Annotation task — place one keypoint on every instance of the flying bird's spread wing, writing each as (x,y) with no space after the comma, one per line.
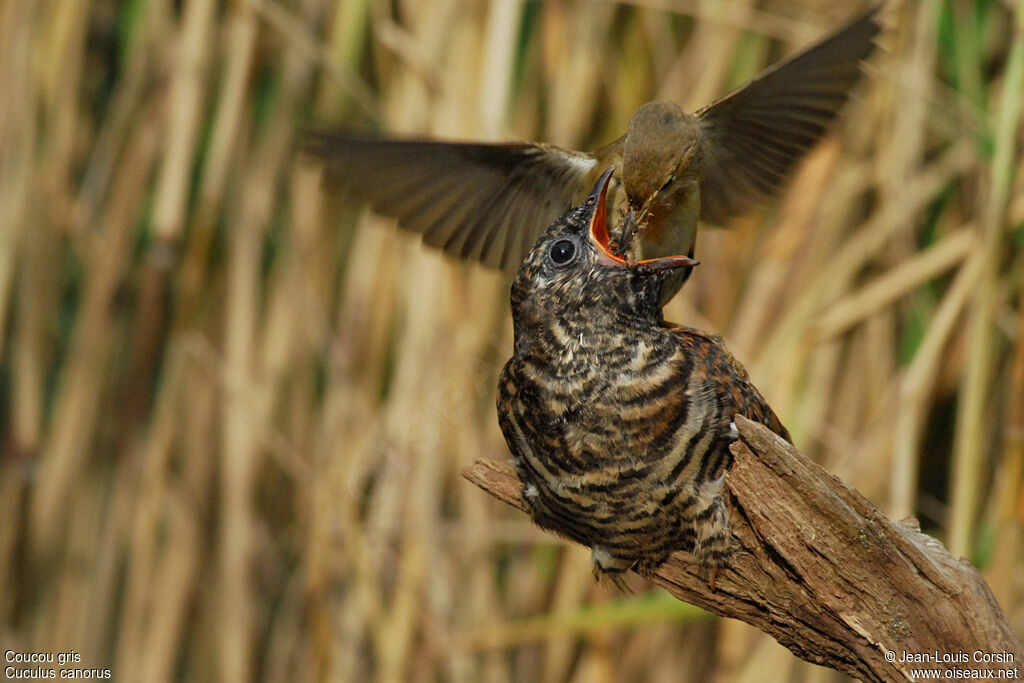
(483,202)
(751,138)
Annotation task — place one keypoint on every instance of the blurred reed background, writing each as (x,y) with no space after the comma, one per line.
(233,413)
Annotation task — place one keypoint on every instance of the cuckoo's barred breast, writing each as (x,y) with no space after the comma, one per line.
(620,425)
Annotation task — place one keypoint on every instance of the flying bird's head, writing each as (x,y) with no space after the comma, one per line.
(658,150)
(572,271)
(661,175)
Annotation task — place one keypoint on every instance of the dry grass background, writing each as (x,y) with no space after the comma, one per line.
(232,416)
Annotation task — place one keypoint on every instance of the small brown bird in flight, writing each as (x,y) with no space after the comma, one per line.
(619,423)
(489,202)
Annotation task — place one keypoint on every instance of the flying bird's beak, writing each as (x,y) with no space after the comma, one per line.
(628,231)
(598,199)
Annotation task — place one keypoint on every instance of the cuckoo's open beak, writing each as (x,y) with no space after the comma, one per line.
(598,199)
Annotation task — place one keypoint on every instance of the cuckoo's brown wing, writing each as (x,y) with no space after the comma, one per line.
(712,353)
(483,202)
(751,138)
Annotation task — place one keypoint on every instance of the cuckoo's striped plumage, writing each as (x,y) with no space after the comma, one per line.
(620,424)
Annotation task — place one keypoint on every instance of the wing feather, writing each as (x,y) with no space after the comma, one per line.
(752,137)
(485,202)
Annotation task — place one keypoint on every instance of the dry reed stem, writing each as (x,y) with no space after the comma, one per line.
(968,463)
(914,390)
(902,280)
(1008,502)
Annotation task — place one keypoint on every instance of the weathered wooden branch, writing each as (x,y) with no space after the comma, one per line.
(824,572)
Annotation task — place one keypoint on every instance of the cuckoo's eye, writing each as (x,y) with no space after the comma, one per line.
(562,252)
